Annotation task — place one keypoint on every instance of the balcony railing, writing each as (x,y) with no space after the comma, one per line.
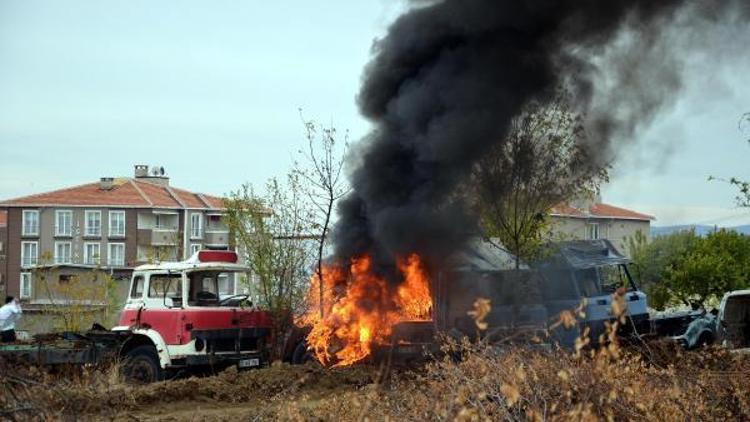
(28,261)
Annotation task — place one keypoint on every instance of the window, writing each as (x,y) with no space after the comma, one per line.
(63,253)
(30,223)
(116,254)
(91,253)
(165,286)
(93,223)
(64,223)
(29,253)
(613,277)
(195,247)
(226,285)
(203,289)
(25,286)
(196,225)
(137,291)
(117,223)
(588,282)
(592,230)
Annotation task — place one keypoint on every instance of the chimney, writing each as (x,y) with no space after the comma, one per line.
(154,174)
(141,171)
(106,183)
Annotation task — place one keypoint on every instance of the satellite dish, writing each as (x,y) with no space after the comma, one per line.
(161,171)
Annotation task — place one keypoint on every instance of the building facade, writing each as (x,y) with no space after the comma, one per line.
(597,220)
(112,225)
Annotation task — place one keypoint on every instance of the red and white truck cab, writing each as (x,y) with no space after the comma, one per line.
(179,320)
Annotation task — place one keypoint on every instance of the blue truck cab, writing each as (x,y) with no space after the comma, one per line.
(587,274)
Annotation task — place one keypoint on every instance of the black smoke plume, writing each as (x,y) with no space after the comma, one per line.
(448,77)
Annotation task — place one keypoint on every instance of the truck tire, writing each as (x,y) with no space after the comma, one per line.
(301,355)
(142,365)
(706,339)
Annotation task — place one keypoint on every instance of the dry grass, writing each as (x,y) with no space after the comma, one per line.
(657,381)
(650,381)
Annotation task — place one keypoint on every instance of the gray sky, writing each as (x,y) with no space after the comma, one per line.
(211,91)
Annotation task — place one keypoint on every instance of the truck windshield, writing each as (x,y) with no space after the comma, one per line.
(604,280)
(208,287)
(613,277)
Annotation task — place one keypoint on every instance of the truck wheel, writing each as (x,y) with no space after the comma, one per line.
(301,355)
(142,365)
(705,339)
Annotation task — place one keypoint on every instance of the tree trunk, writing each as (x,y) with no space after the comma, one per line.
(320,256)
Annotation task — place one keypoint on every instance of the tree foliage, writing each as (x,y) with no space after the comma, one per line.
(683,268)
(542,162)
(74,302)
(271,231)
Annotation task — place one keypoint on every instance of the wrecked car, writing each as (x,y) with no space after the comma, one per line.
(729,325)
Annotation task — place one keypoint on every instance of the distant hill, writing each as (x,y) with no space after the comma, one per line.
(700,230)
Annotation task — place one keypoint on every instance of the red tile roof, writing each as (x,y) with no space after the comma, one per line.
(126,192)
(610,211)
(3,218)
(599,210)
(567,210)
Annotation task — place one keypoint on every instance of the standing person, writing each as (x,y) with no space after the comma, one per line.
(9,314)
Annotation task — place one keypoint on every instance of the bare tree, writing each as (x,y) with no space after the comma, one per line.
(271,232)
(322,169)
(543,162)
(742,185)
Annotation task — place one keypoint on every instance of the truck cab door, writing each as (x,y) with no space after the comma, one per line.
(162,306)
(134,302)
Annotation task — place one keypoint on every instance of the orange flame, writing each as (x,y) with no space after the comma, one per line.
(360,308)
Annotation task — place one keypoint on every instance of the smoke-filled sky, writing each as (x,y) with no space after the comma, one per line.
(211,91)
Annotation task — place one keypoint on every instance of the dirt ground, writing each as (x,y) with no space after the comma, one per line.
(100,394)
(257,395)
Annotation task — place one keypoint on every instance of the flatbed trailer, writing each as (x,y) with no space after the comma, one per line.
(96,346)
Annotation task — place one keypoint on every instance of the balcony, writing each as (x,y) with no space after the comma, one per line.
(216,237)
(159,236)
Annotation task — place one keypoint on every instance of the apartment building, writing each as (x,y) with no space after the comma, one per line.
(593,219)
(112,225)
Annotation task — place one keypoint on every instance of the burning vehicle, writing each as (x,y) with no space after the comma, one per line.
(524,303)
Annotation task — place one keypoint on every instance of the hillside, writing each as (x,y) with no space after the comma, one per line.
(700,230)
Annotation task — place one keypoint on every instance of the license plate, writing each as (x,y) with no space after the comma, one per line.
(248,363)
